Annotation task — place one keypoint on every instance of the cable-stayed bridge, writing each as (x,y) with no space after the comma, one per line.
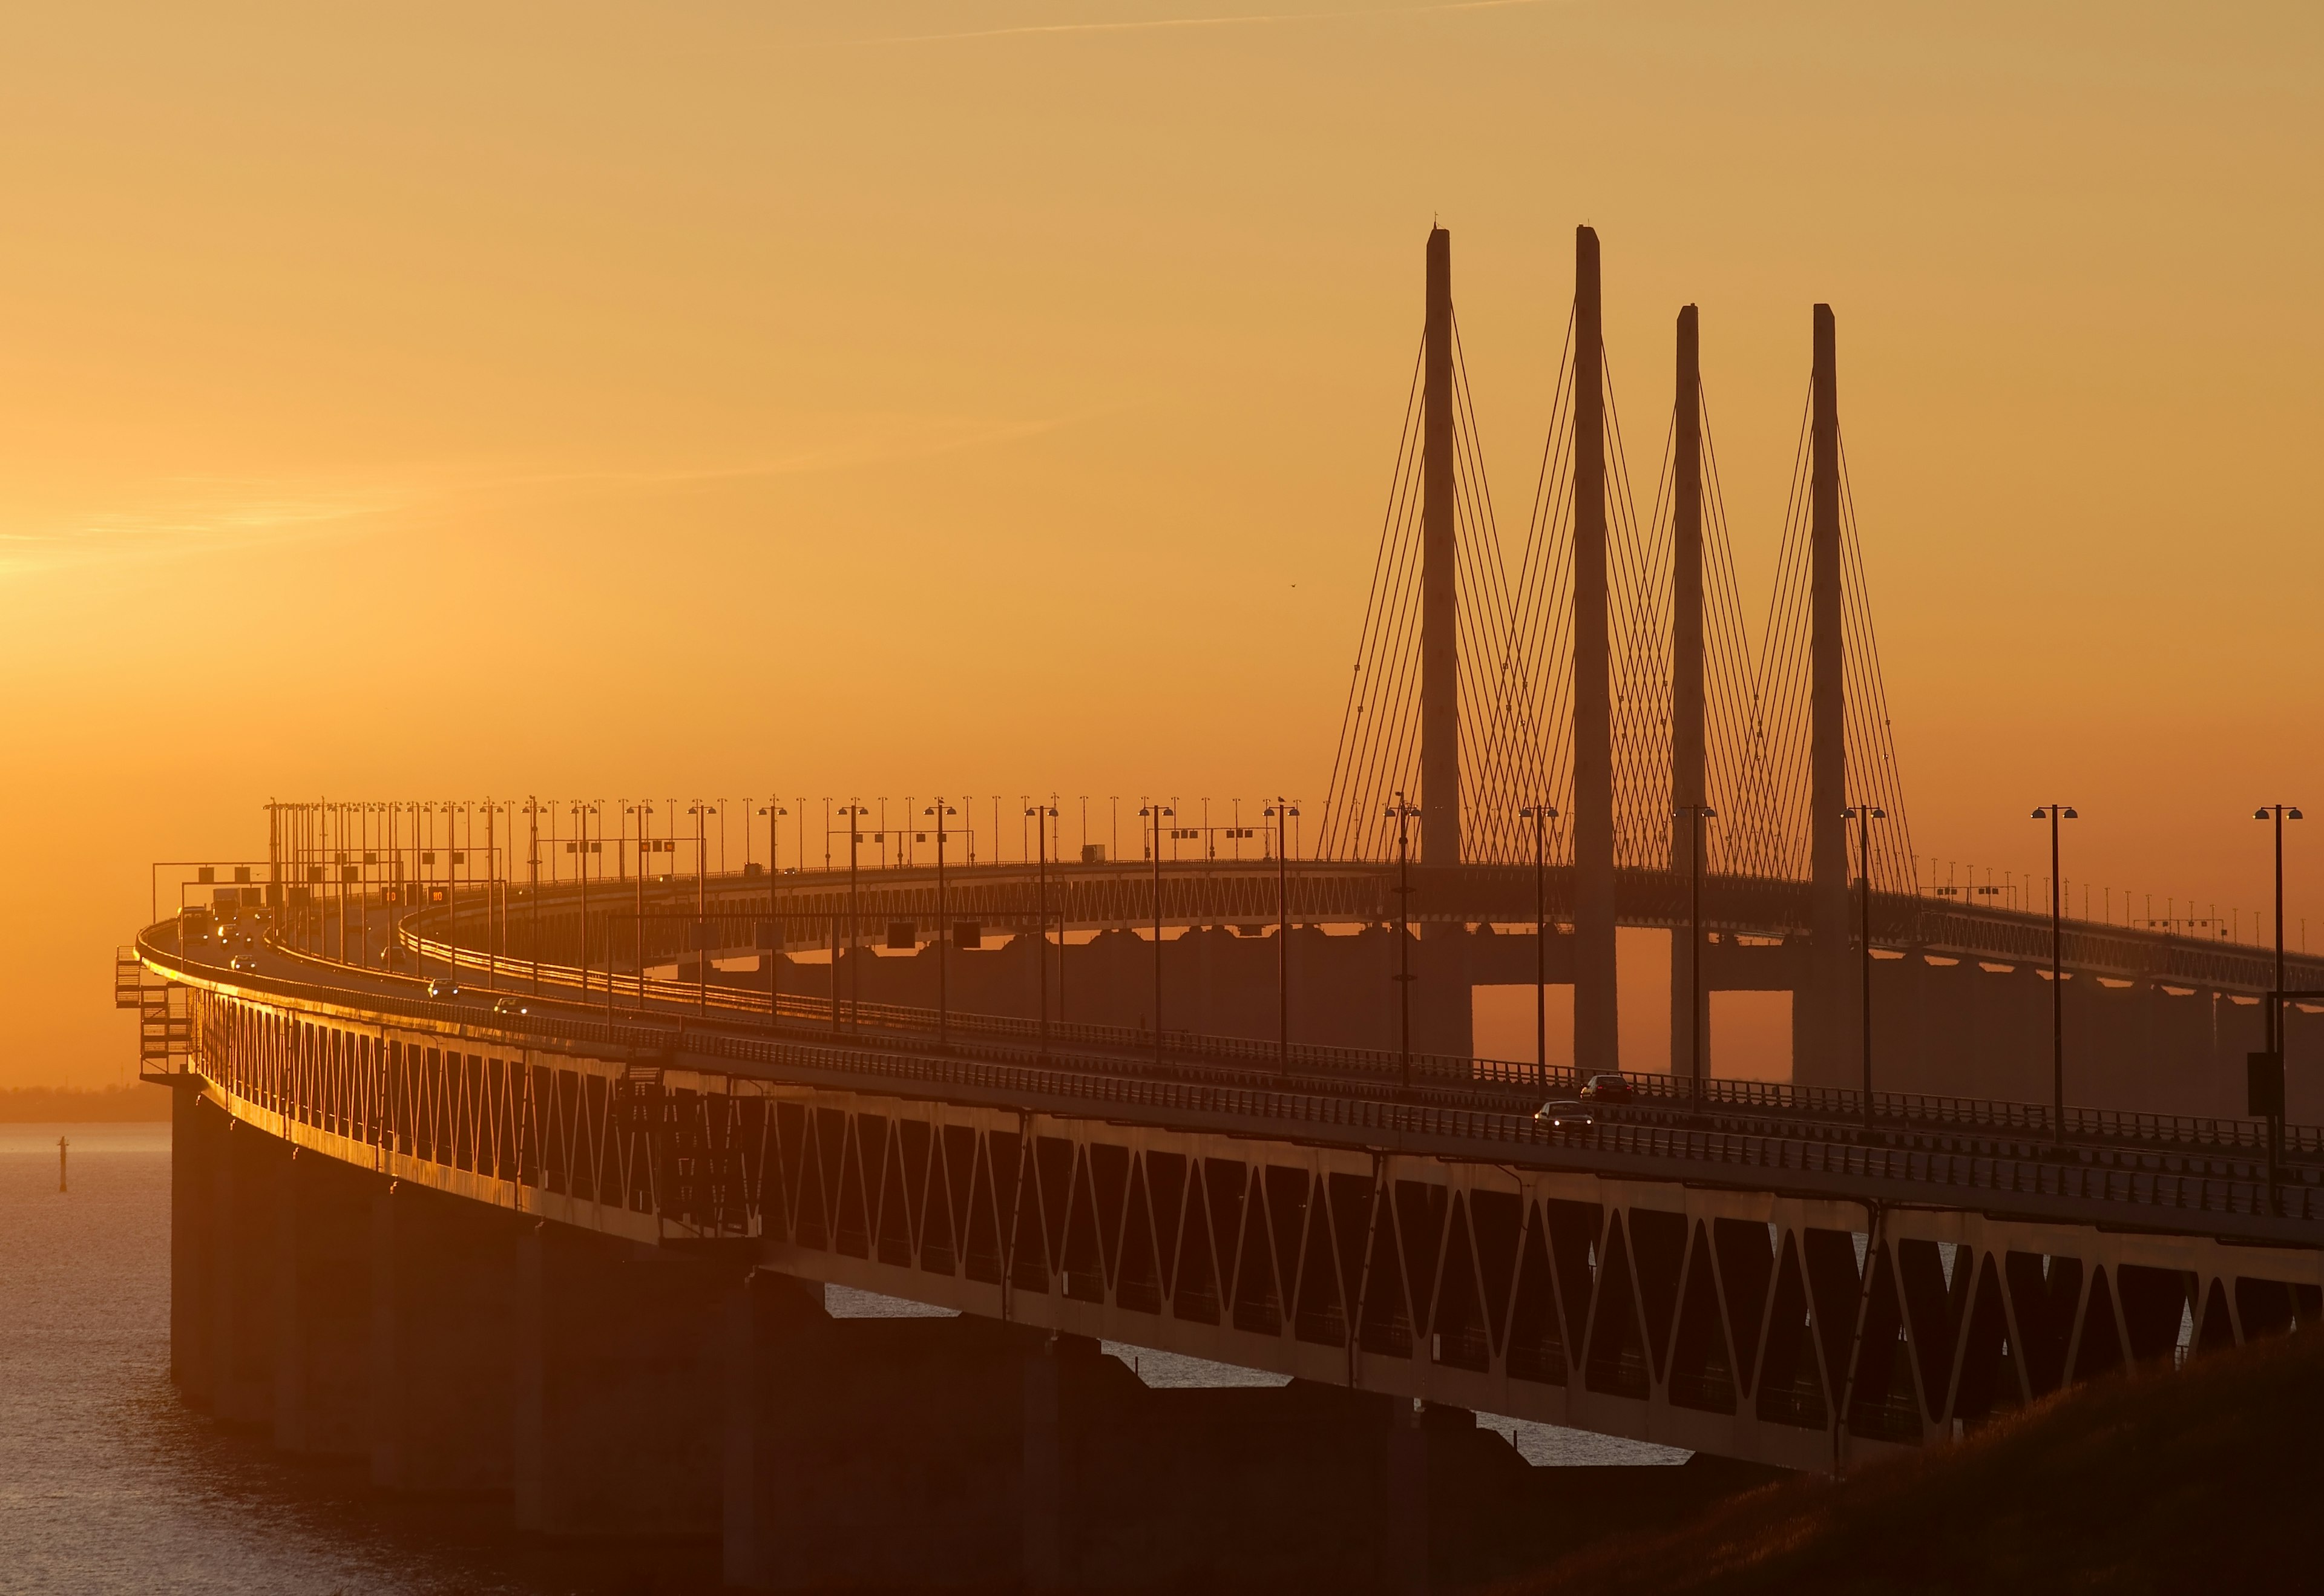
(500,1167)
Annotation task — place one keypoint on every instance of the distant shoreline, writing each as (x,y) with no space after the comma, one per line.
(99,1106)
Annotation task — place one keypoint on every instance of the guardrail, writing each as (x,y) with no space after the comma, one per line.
(1898,1110)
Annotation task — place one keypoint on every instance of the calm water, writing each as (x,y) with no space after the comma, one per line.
(108,1483)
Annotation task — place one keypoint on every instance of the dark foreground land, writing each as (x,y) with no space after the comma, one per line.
(2204,1481)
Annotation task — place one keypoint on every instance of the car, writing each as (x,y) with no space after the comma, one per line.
(443,986)
(511,1005)
(1563,1114)
(392,954)
(242,961)
(1609,1088)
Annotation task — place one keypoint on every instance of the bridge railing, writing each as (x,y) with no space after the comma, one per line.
(1837,1105)
(1002,1071)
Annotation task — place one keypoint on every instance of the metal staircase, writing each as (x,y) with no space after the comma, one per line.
(164,1030)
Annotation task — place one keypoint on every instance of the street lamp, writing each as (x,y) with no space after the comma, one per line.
(532,808)
(1402,813)
(941,811)
(643,809)
(854,812)
(774,813)
(2054,813)
(1157,812)
(1864,815)
(2278,813)
(1541,815)
(1041,815)
(1281,812)
(1694,814)
(701,811)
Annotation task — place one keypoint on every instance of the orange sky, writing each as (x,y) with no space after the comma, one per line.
(577,399)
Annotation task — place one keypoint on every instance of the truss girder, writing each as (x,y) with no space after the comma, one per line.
(1784,1328)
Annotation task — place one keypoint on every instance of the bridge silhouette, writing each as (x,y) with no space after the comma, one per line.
(512,1179)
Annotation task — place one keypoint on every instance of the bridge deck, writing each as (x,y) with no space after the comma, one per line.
(1727,1284)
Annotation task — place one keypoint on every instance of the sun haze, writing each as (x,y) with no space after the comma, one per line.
(438,401)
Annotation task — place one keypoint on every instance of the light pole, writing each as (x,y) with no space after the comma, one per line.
(1541,815)
(2054,813)
(643,810)
(491,891)
(701,938)
(943,811)
(854,813)
(1157,812)
(1041,815)
(532,882)
(1402,813)
(581,812)
(2278,813)
(1281,811)
(774,813)
(1864,815)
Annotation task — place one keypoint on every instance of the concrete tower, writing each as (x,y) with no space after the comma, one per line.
(1827,1057)
(1688,782)
(1597,1023)
(1440,644)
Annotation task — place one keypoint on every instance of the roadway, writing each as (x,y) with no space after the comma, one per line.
(2180,1176)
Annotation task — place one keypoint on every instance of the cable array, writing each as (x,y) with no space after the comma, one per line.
(1515,641)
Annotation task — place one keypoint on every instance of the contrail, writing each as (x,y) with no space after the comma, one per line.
(1246,20)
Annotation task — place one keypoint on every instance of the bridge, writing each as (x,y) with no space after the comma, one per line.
(522,1177)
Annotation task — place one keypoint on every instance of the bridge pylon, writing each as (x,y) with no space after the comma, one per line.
(1597,1023)
(1824,1052)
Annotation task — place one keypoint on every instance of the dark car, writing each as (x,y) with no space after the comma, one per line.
(1563,1114)
(511,1005)
(443,986)
(1609,1088)
(242,961)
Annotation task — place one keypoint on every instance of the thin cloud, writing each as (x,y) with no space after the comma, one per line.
(1239,20)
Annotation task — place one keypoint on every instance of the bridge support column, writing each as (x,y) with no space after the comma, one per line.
(1443,1019)
(197,1138)
(249,1176)
(619,1359)
(884,1453)
(1404,1516)
(322,1308)
(442,1353)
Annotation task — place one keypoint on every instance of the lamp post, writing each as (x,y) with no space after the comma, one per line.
(1041,815)
(532,882)
(701,938)
(1864,815)
(1541,815)
(942,811)
(2054,813)
(1157,812)
(774,813)
(1694,814)
(582,812)
(1281,811)
(2278,814)
(1402,813)
(854,813)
